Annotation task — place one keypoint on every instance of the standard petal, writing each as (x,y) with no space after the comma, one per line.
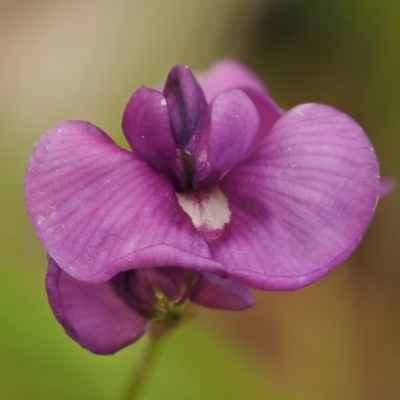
(226,75)
(99,209)
(225,294)
(146,127)
(301,204)
(92,313)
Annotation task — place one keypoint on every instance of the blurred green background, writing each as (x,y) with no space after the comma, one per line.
(336,340)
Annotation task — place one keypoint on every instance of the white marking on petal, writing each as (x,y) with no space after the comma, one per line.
(163,102)
(208,210)
(40,220)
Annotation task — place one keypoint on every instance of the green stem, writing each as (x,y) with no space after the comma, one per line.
(155,333)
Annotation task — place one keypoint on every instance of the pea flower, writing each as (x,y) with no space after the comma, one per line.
(222,192)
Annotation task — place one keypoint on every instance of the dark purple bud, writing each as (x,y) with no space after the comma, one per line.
(190,119)
(186,104)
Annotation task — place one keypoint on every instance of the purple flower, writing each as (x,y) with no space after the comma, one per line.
(222,191)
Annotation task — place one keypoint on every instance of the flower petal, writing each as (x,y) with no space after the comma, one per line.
(146,127)
(225,294)
(92,314)
(268,112)
(234,127)
(100,210)
(226,75)
(301,204)
(241,119)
